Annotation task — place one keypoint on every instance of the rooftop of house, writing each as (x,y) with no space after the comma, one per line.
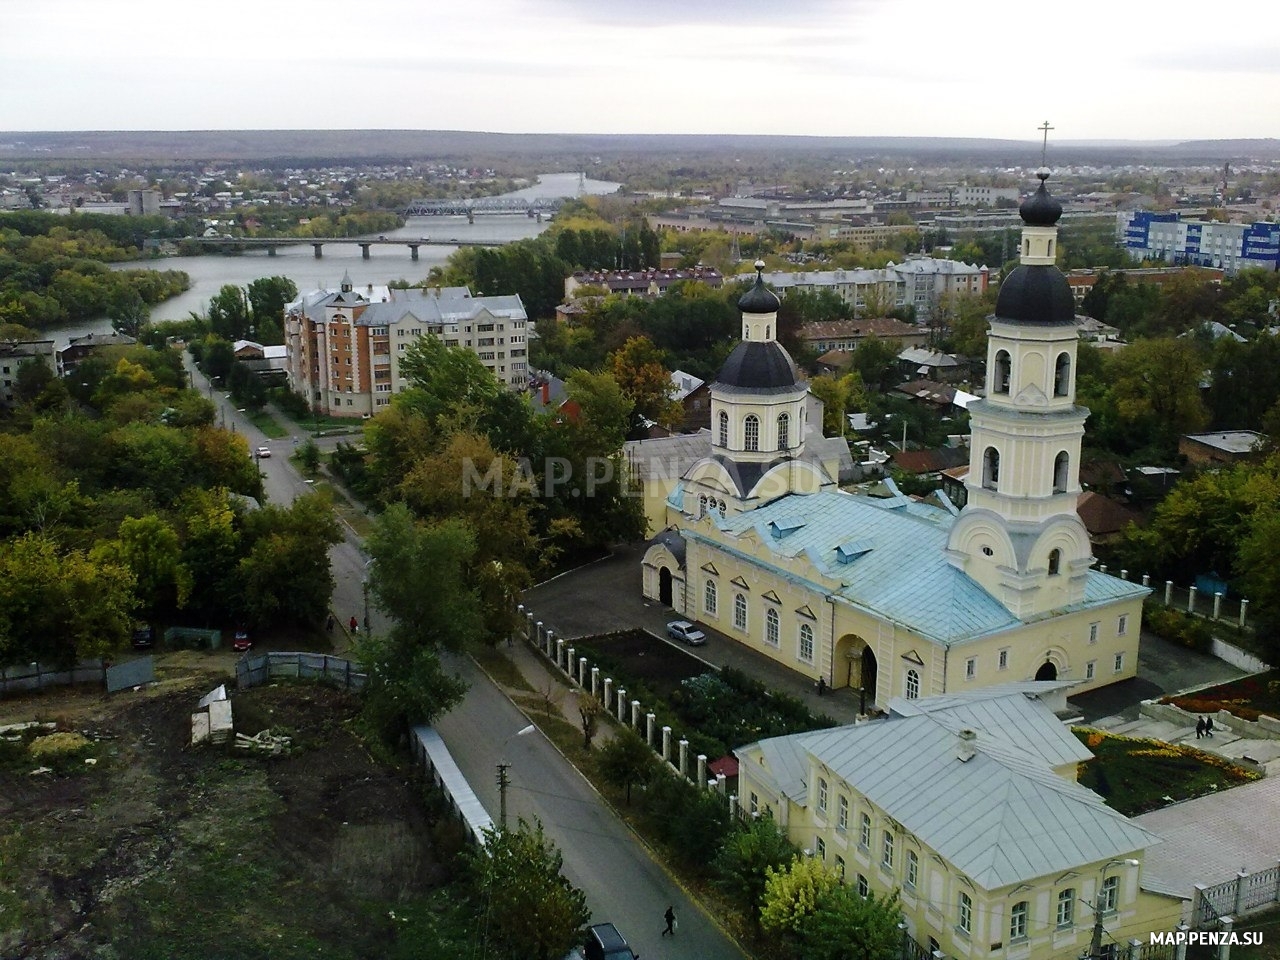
(882,327)
(864,545)
(1230,441)
(990,804)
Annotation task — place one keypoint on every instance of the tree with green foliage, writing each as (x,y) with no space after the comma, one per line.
(876,362)
(418,577)
(640,370)
(267,298)
(127,311)
(791,895)
(1156,388)
(285,575)
(228,313)
(839,396)
(58,606)
(847,926)
(626,760)
(149,547)
(529,908)
(752,848)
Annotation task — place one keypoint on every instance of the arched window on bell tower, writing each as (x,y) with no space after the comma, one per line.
(991,468)
(1061,467)
(784,431)
(1055,562)
(1001,372)
(724,429)
(751,432)
(1062,375)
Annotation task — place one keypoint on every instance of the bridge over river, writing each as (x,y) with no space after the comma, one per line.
(365,244)
(536,207)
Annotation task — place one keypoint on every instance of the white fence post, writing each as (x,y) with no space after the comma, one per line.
(666,744)
(1191,599)
(684,756)
(650,720)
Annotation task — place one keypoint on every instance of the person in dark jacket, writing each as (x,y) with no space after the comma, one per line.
(670,917)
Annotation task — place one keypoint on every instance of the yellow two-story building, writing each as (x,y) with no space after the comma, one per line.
(967,806)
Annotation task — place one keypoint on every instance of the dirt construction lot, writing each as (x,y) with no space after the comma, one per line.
(135,845)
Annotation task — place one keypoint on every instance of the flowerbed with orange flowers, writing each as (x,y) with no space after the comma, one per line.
(1246,698)
(1135,775)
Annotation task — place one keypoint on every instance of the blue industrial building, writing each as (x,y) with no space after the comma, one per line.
(1231,247)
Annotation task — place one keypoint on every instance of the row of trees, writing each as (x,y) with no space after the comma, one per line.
(120,499)
(480,493)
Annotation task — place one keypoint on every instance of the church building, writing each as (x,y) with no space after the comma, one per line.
(895,597)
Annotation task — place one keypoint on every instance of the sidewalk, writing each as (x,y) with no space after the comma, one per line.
(1224,742)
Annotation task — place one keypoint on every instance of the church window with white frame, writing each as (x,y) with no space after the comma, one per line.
(806,643)
(709,597)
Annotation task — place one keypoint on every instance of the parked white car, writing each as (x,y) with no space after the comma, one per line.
(686,632)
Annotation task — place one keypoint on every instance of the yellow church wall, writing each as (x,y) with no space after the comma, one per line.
(877,851)
(839,628)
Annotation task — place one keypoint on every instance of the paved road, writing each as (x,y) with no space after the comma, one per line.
(602,857)
(282,483)
(623,884)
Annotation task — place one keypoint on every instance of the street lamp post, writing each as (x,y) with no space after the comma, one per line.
(1095,942)
(504,780)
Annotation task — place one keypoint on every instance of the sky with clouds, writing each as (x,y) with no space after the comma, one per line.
(1097,69)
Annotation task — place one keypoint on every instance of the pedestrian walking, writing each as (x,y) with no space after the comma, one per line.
(328,624)
(1199,727)
(1208,726)
(670,917)
(355,625)
(822,685)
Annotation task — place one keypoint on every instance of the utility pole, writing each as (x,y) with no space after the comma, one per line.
(503,782)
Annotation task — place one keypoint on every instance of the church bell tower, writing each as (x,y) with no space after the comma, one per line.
(1019,534)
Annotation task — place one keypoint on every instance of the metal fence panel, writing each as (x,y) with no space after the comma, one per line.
(133,673)
(261,668)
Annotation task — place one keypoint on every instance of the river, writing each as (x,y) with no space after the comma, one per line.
(210,272)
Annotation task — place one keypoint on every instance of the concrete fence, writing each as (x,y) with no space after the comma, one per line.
(1240,896)
(628,712)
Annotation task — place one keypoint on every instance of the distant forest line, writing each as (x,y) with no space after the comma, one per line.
(467,147)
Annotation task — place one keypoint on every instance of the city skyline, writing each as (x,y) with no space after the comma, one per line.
(820,68)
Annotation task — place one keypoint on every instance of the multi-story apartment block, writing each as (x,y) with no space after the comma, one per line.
(14,355)
(344,346)
(919,282)
(1230,247)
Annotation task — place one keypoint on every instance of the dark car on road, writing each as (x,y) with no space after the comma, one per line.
(604,942)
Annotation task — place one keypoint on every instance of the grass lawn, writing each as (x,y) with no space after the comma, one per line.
(1246,697)
(1138,775)
(267,424)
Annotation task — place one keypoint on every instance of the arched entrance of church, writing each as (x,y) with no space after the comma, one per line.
(1047,671)
(664,587)
(855,667)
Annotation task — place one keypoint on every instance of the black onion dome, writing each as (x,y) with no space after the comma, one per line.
(759,365)
(1036,294)
(759,299)
(1040,209)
